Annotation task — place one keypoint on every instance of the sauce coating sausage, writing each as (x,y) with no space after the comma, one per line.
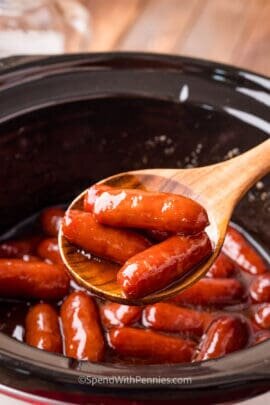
(261,316)
(171,318)
(83,339)
(48,249)
(223,267)
(150,345)
(238,249)
(260,288)
(131,208)
(91,195)
(89,202)
(117,245)
(113,314)
(162,264)
(51,219)
(224,335)
(216,291)
(42,328)
(32,280)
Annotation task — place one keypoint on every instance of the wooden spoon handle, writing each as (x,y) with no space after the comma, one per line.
(240,173)
(220,186)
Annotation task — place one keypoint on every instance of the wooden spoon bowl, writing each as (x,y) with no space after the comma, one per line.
(217,188)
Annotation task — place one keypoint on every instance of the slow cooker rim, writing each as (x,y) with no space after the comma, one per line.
(18,63)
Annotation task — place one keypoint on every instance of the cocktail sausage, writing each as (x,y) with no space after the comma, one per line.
(81,328)
(118,245)
(146,344)
(161,264)
(42,328)
(132,208)
(32,280)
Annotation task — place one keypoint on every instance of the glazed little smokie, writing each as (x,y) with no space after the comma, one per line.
(83,338)
(51,219)
(113,314)
(225,335)
(131,208)
(42,328)
(34,279)
(48,249)
(172,318)
(107,229)
(226,311)
(161,264)
(150,345)
(239,250)
(216,291)
(118,245)
(223,267)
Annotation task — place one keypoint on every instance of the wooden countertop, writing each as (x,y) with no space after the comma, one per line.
(230,31)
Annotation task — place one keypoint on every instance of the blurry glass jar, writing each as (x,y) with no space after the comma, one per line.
(43,27)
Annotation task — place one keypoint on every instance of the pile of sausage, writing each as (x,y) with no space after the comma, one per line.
(228,310)
(121,225)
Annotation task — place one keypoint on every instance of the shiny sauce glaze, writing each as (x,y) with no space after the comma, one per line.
(227,310)
(113,225)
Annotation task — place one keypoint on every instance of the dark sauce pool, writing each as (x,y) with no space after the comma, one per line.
(13,311)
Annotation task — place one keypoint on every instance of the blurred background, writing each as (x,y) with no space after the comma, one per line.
(231,31)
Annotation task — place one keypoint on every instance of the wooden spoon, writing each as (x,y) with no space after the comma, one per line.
(217,187)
